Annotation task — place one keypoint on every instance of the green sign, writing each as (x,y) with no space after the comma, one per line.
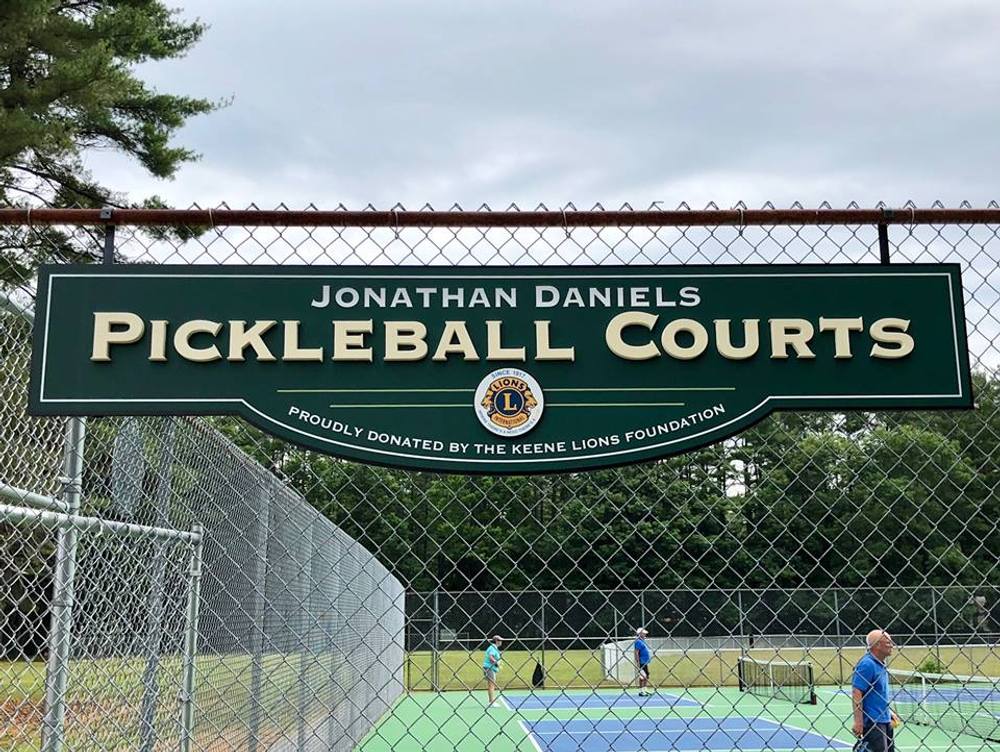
(498,370)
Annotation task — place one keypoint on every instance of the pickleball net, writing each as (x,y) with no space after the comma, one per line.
(791,681)
(963,704)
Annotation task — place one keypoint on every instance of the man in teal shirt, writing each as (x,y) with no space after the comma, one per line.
(491,665)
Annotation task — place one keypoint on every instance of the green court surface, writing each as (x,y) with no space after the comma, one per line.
(620,721)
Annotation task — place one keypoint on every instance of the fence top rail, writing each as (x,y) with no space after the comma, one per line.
(507,218)
(637,592)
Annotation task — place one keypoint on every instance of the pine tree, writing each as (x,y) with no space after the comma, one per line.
(68,85)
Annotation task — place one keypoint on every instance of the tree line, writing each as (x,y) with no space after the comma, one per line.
(802,499)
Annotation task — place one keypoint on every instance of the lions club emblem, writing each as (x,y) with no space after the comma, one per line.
(509,402)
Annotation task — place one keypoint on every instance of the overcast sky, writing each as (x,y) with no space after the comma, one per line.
(469,102)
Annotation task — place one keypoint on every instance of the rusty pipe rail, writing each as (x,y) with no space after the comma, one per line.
(485,218)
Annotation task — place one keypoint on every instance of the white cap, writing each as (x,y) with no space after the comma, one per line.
(641,631)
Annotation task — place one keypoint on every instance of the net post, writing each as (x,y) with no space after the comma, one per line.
(63,593)
(191,642)
(812,683)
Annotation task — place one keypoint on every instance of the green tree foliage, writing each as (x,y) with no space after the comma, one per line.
(802,499)
(68,85)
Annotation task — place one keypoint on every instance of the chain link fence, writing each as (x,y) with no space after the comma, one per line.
(193,584)
(187,598)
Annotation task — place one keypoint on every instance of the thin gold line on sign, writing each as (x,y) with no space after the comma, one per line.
(367,391)
(551,404)
(615,404)
(462,404)
(553,389)
(642,389)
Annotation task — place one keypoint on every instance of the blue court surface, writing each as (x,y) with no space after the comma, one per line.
(968,694)
(594,700)
(668,734)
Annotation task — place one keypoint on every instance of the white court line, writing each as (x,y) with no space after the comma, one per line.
(531,736)
(623,732)
(816,733)
(505,703)
(624,703)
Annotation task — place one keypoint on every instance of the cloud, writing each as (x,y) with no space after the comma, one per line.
(468,102)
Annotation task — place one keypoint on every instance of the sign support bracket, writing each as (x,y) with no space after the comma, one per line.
(883,236)
(109,236)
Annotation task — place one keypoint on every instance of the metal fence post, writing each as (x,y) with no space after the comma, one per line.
(191,642)
(937,626)
(435,633)
(306,658)
(840,638)
(158,571)
(541,619)
(333,726)
(61,620)
(259,599)
(742,621)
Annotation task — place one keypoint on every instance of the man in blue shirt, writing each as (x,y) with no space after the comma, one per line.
(642,657)
(874,719)
(491,665)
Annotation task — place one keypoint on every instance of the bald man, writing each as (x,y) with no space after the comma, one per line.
(873,717)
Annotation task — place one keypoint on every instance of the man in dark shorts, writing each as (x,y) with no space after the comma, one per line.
(642,657)
(874,719)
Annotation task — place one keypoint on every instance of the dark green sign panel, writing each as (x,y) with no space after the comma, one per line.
(498,370)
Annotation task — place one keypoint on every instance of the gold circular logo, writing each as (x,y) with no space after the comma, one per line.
(509,402)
